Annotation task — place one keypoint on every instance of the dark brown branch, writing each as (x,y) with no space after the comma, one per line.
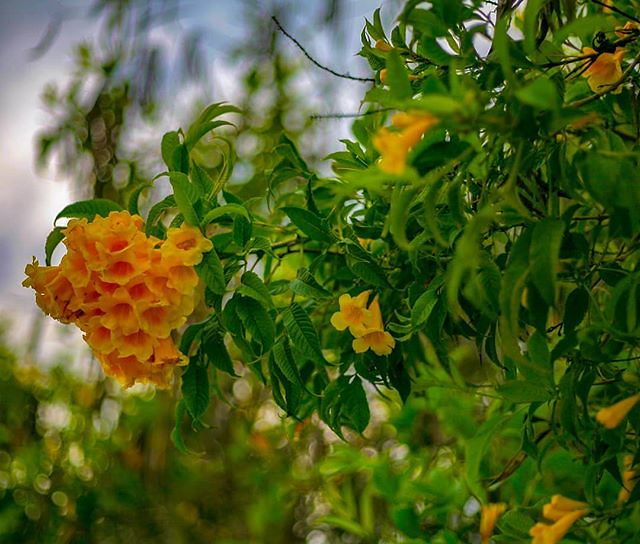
(314,61)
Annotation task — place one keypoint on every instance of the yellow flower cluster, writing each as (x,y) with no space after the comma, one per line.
(394,146)
(629,480)
(126,291)
(564,512)
(365,324)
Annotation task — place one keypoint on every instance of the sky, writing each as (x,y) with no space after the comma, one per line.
(32,197)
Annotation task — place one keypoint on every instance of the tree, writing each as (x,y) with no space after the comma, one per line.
(478,237)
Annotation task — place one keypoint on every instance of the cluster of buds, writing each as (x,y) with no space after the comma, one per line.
(365,324)
(126,291)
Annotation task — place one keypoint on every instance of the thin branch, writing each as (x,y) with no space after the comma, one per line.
(347,115)
(612,87)
(617,10)
(314,61)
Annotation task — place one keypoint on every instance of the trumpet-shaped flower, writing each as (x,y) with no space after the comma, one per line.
(560,506)
(126,291)
(394,146)
(488,517)
(629,480)
(353,313)
(543,533)
(374,336)
(604,71)
(612,416)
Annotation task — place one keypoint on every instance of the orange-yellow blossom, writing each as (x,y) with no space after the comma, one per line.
(604,71)
(629,480)
(628,29)
(394,146)
(374,336)
(352,314)
(551,534)
(488,517)
(565,512)
(560,506)
(126,291)
(383,45)
(384,72)
(612,416)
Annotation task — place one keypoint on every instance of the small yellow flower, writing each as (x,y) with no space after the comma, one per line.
(629,480)
(394,146)
(604,71)
(628,29)
(560,506)
(374,336)
(612,416)
(352,314)
(488,517)
(550,534)
(384,72)
(383,45)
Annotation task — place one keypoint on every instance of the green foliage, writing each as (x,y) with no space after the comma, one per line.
(501,246)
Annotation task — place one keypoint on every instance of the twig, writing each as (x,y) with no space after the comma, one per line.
(347,115)
(314,61)
(617,10)
(612,87)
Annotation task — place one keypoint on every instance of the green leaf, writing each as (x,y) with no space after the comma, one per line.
(55,237)
(541,93)
(257,321)
(186,196)
(214,349)
(284,361)
(310,224)
(195,389)
(170,141)
(202,180)
(212,272)
(228,209)
(306,285)
(426,303)
(157,210)
(135,196)
(370,272)
(302,332)
(356,407)
(520,391)
(398,77)
(253,287)
(575,308)
(88,209)
(242,230)
(544,256)
(176,433)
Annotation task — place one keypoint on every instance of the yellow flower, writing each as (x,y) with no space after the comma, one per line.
(384,73)
(543,533)
(604,71)
(565,512)
(629,480)
(352,314)
(374,336)
(488,517)
(383,45)
(613,415)
(394,146)
(628,29)
(560,506)
(185,245)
